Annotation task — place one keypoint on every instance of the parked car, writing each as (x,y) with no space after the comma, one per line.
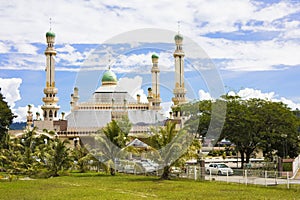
(175,170)
(219,169)
(146,166)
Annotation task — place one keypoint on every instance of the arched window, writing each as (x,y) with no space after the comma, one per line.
(45,114)
(55,114)
(50,114)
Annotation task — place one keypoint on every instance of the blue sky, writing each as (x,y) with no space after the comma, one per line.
(254,46)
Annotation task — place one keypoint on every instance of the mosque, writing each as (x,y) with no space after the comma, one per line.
(108,102)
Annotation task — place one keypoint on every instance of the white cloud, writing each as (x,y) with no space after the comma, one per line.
(204,95)
(21,112)
(249,93)
(166,108)
(250,56)
(10,90)
(4,48)
(133,86)
(17,61)
(276,11)
(141,63)
(95,22)
(26,48)
(71,55)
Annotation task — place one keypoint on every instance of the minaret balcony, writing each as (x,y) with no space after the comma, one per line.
(155,69)
(178,53)
(50,50)
(50,100)
(50,90)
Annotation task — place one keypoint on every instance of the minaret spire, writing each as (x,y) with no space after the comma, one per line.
(50,23)
(179,89)
(155,100)
(50,100)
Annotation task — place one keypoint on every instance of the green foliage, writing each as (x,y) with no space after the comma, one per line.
(82,157)
(171,145)
(287,167)
(109,142)
(117,131)
(257,123)
(6,118)
(34,154)
(58,158)
(250,124)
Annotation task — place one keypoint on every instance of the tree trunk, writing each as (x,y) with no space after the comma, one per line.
(112,171)
(248,157)
(165,174)
(242,159)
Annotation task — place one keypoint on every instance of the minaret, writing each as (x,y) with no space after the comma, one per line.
(29,117)
(179,90)
(50,100)
(156,100)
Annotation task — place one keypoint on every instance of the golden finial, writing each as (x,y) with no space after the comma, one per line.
(50,23)
(109,60)
(178,24)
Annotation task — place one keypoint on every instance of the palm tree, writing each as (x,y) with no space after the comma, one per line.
(160,140)
(172,144)
(58,158)
(108,143)
(82,157)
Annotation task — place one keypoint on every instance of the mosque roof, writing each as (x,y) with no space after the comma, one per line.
(99,118)
(109,76)
(105,94)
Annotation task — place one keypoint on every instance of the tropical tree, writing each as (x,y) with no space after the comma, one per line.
(254,124)
(6,118)
(171,144)
(260,124)
(11,158)
(58,158)
(109,141)
(82,157)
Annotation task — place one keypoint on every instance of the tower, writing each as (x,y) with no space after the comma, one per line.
(155,83)
(155,93)
(179,90)
(50,100)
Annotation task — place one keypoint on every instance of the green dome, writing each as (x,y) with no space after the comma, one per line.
(50,34)
(178,37)
(109,76)
(154,56)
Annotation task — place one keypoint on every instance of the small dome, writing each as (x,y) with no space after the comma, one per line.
(109,77)
(178,37)
(50,34)
(154,56)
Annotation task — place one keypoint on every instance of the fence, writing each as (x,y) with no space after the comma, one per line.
(242,176)
(296,166)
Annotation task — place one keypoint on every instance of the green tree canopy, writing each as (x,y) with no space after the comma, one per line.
(6,118)
(253,124)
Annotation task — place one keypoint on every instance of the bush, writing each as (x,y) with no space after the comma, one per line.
(287,167)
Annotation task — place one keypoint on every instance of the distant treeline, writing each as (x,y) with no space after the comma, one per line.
(17,126)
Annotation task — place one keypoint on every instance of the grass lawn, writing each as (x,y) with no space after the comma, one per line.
(99,186)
